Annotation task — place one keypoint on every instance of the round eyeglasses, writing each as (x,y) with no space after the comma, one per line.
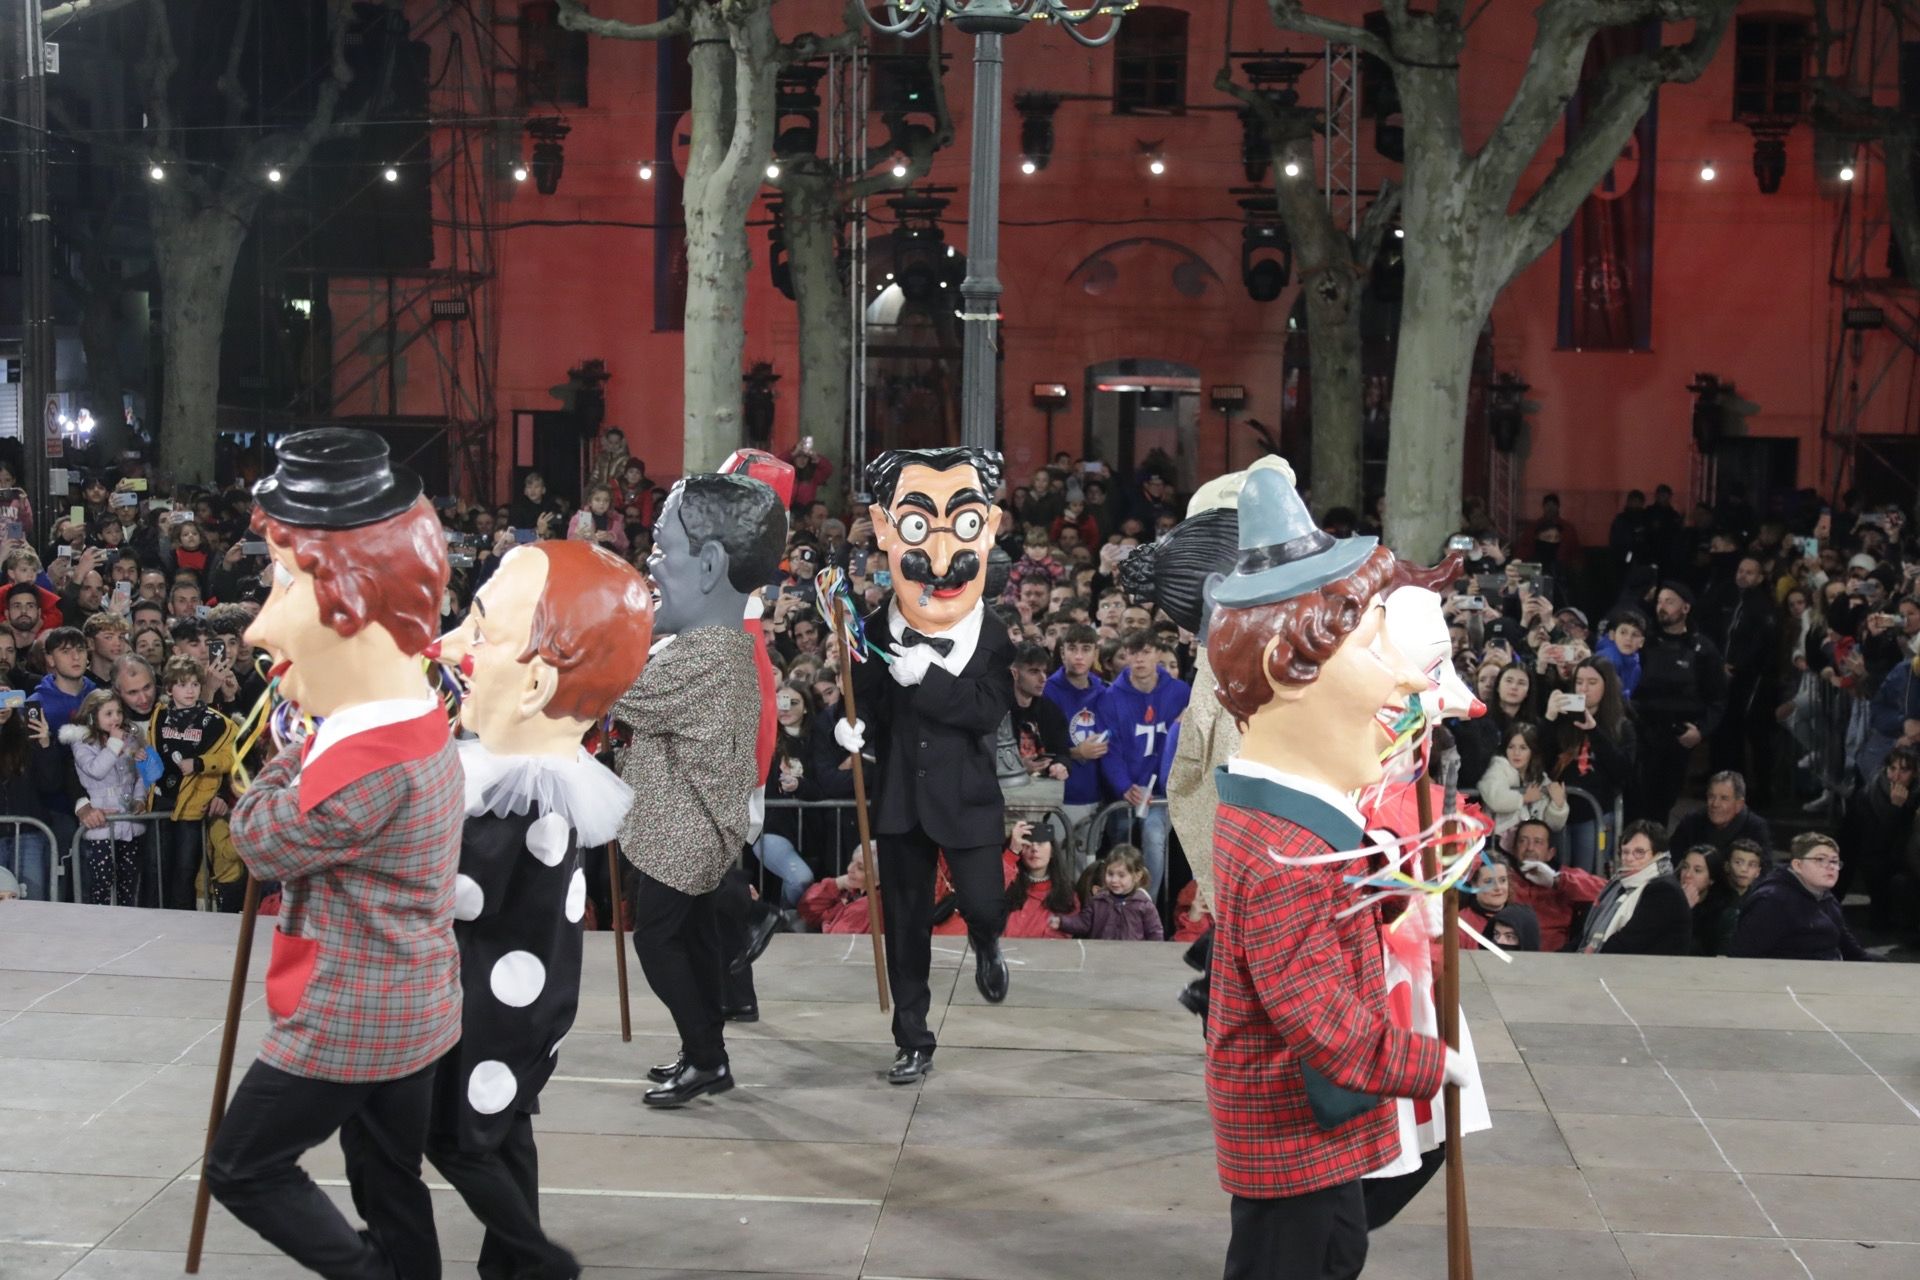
(915,528)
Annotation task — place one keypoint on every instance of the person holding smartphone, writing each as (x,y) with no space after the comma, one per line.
(1592,747)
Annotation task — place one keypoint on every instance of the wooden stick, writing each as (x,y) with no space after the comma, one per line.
(876,921)
(1459,1243)
(223,1073)
(617,899)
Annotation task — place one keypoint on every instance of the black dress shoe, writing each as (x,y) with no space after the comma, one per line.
(910,1065)
(744,1013)
(1193,998)
(689,1084)
(667,1070)
(990,972)
(759,934)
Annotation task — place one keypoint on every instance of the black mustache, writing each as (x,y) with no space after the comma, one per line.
(917,566)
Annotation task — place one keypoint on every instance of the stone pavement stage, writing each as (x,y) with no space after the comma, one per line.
(1655,1119)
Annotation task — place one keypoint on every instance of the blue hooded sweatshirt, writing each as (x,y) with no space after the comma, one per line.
(1077,705)
(1627,668)
(1138,726)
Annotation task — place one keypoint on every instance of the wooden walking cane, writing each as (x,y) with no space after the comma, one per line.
(876,927)
(223,1072)
(617,898)
(1459,1241)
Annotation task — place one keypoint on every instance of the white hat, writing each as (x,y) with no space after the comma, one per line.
(1224,491)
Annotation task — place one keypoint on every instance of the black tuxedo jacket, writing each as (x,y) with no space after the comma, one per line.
(933,744)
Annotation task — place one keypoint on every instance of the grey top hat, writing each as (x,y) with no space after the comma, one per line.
(1282,552)
(336,478)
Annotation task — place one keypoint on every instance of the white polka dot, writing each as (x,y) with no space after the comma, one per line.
(469,900)
(576,896)
(555,1051)
(517,978)
(491,1088)
(547,839)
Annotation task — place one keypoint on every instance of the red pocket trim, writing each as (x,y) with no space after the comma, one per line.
(289,971)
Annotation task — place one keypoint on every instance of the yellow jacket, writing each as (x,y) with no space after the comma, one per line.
(198,789)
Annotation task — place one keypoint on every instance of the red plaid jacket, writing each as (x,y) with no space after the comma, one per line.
(1292,984)
(365,981)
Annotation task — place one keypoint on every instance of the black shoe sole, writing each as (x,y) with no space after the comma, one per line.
(721,1085)
(759,938)
(915,1078)
(661,1075)
(743,1015)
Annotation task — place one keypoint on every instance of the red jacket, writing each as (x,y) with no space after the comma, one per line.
(828,909)
(1030,919)
(1554,906)
(1185,927)
(1293,984)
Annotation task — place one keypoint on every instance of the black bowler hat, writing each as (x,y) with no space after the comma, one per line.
(336,478)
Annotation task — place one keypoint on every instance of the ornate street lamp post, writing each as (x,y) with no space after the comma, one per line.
(986,21)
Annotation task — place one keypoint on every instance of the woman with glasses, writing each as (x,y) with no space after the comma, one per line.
(1792,914)
(1643,911)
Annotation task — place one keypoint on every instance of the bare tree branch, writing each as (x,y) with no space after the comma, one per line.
(229,84)
(921,151)
(574,17)
(1376,222)
(809,46)
(1292,15)
(1620,99)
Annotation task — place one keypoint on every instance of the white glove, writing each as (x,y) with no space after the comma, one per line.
(910,667)
(1459,1070)
(851,735)
(1433,914)
(1540,873)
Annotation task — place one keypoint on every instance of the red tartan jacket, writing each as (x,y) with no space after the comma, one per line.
(1292,984)
(365,980)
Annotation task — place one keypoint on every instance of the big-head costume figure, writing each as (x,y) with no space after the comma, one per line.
(695,714)
(930,710)
(558,632)
(360,824)
(1302,1057)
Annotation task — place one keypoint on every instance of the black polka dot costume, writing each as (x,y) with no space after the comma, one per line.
(518,905)
(517,908)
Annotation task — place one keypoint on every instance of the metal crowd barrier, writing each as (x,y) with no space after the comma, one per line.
(151,840)
(1096,832)
(846,836)
(54,867)
(1607,822)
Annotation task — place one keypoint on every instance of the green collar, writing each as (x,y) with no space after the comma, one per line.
(1243,791)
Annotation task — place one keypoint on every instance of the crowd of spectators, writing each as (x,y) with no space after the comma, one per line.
(1775,657)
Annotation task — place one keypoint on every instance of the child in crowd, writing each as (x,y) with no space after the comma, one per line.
(196,752)
(1121,911)
(838,904)
(107,752)
(1039,886)
(1137,713)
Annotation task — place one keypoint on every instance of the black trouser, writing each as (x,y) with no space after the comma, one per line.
(907,866)
(502,1188)
(733,911)
(1664,765)
(182,851)
(1386,1197)
(1749,723)
(678,943)
(1321,1235)
(254,1170)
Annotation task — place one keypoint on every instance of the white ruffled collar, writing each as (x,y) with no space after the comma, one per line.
(588,795)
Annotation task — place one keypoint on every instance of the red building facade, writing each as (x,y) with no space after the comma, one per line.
(1119,276)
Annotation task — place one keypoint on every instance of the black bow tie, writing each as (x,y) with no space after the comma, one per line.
(911,637)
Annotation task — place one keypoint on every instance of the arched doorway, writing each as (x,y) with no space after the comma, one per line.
(1137,408)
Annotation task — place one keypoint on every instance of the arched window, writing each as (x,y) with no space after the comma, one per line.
(1150,63)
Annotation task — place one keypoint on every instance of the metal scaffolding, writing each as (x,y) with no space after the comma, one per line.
(1873,324)
(1341,73)
(391,328)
